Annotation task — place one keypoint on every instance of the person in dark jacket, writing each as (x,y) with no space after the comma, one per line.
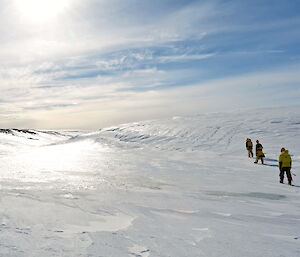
(249,147)
(259,152)
(285,165)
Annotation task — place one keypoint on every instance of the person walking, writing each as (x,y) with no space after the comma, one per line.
(259,152)
(249,147)
(285,165)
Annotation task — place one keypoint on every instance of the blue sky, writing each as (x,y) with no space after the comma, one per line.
(95,63)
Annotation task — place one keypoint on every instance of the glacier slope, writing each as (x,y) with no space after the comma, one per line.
(175,187)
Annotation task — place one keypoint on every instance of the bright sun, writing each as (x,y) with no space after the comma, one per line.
(40,10)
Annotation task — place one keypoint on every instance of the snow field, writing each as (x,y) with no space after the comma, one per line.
(176,187)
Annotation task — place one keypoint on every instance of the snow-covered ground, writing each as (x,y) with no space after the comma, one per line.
(177,187)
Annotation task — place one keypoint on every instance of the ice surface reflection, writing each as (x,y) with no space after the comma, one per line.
(79,164)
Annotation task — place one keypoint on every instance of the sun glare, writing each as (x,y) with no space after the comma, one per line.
(40,10)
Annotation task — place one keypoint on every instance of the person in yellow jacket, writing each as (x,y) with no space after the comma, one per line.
(285,165)
(249,147)
(259,152)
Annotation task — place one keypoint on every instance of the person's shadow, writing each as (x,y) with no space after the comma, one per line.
(271,160)
(271,165)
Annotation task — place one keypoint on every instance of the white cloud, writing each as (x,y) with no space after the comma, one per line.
(184,58)
(76,29)
(105,102)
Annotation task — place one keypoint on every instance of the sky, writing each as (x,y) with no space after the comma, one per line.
(89,64)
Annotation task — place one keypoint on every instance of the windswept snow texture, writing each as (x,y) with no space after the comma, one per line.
(164,188)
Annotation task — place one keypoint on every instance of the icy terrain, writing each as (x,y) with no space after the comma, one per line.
(164,188)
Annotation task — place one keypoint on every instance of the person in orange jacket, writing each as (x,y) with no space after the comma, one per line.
(285,165)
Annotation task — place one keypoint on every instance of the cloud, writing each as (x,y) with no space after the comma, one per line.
(104,62)
(185,58)
(88,26)
(102,103)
